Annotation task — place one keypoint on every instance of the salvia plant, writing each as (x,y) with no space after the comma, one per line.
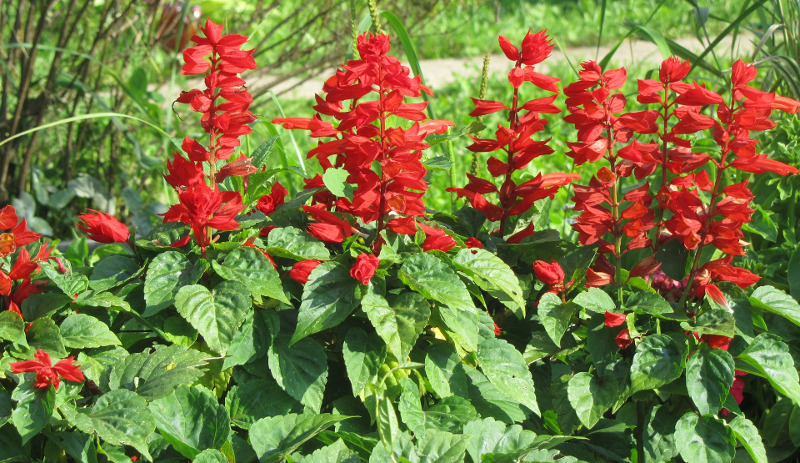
(351,323)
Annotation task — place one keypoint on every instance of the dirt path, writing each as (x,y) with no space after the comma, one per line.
(440,72)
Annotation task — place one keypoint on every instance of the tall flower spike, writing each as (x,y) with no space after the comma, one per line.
(516,140)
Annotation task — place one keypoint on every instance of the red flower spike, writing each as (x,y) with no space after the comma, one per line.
(436,239)
(364,268)
(550,274)
(46,373)
(615,319)
(103,228)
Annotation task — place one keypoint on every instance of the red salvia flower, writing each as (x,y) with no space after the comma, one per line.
(623,339)
(614,319)
(301,270)
(46,373)
(550,274)
(103,228)
(364,268)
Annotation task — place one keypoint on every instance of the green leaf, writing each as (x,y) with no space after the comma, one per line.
(659,360)
(704,439)
(301,370)
(767,356)
(33,412)
(210,456)
(328,298)
(6,407)
(776,301)
(293,243)
(793,274)
(43,305)
(44,334)
(69,283)
(505,368)
(155,374)
(442,447)
(449,414)
(249,266)
(659,438)
(363,355)
(12,327)
(490,402)
(747,434)
(444,370)
(334,453)
(591,397)
(84,331)
(335,179)
(259,156)
(111,271)
(717,322)
(167,273)
(493,437)
(77,445)
(555,316)
(216,314)
(275,438)
(191,420)
(253,339)
(709,376)
(398,320)
(462,326)
(429,276)
(494,276)
(118,417)
(595,300)
(255,399)
(653,304)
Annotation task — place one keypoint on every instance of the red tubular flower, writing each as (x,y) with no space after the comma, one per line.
(550,274)
(364,268)
(203,208)
(623,339)
(103,228)
(18,234)
(267,203)
(46,373)
(516,140)
(436,239)
(615,319)
(301,270)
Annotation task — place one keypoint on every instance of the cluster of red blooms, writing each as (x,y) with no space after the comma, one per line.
(516,140)
(16,282)
(679,212)
(224,105)
(48,374)
(361,139)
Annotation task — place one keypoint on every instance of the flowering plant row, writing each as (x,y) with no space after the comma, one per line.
(350,323)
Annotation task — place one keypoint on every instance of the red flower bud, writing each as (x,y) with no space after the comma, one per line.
(624,339)
(301,270)
(364,268)
(716,341)
(615,319)
(103,228)
(549,274)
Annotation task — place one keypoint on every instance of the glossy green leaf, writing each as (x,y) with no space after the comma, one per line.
(653,304)
(659,435)
(111,271)
(191,420)
(210,456)
(363,355)
(659,360)
(168,273)
(438,446)
(449,414)
(44,334)
(717,322)
(77,445)
(504,367)
(255,399)
(776,301)
(328,298)
(490,402)
(704,439)
(253,339)
(33,412)
(274,438)
(462,326)
(216,314)
(118,417)
(595,300)
(591,397)
(249,266)
(444,370)
(493,276)
(748,435)
(398,320)
(793,274)
(555,316)
(43,305)
(429,276)
(84,331)
(301,370)
(767,356)
(334,453)
(155,374)
(709,376)
(12,328)
(293,243)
